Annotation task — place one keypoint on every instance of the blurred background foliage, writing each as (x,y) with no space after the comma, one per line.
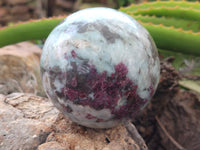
(22,10)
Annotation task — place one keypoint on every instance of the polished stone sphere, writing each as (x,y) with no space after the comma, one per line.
(100,67)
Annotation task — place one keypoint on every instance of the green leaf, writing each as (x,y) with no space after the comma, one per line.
(191,85)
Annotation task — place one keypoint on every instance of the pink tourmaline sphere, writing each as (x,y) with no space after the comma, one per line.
(99,67)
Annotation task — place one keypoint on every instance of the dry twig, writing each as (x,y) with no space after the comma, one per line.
(169,136)
(135,135)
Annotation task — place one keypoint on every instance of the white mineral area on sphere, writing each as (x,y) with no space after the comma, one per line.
(105,38)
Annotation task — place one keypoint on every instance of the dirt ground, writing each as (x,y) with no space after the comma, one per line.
(172,119)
